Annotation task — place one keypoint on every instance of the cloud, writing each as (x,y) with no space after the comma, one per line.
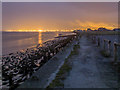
(60,0)
(26,15)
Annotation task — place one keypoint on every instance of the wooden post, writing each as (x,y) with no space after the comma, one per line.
(104,44)
(115,52)
(109,43)
(98,41)
(94,39)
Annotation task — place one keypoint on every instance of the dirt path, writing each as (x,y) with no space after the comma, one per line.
(90,70)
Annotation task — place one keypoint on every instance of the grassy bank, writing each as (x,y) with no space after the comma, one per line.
(64,70)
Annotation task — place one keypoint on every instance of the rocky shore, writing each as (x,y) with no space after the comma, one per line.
(19,66)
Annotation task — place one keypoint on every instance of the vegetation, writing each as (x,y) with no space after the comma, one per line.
(57,82)
(75,49)
(64,70)
(105,53)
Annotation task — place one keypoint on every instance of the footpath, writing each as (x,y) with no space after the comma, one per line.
(90,69)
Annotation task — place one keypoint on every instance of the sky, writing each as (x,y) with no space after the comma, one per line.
(59,15)
(60,0)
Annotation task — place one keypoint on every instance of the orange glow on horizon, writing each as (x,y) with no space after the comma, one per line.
(95,26)
(22,30)
(77,25)
(53,30)
(40,38)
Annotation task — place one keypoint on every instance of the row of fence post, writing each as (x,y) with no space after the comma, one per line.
(115,50)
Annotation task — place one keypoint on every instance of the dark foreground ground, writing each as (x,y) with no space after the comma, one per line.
(89,69)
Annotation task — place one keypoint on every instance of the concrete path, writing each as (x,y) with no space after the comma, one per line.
(90,70)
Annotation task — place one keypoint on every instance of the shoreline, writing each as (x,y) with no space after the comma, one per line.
(48,72)
(30,60)
(13,42)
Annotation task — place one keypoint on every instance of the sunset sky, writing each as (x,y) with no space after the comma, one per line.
(59,15)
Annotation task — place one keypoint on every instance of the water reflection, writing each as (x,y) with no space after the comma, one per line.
(14,41)
(40,38)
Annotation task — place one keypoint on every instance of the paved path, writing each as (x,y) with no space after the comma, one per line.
(90,70)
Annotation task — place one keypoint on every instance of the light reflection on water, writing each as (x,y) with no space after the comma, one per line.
(40,38)
(14,41)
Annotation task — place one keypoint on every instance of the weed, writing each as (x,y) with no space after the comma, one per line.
(105,53)
(66,67)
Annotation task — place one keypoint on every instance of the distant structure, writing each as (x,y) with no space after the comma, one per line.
(89,29)
(84,30)
(77,31)
(116,29)
(103,29)
(99,29)
(95,30)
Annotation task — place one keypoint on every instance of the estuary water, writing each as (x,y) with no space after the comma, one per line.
(15,41)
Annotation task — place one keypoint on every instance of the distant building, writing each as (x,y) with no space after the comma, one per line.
(89,29)
(95,30)
(116,29)
(84,30)
(77,31)
(103,29)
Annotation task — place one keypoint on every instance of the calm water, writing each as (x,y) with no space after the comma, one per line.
(14,41)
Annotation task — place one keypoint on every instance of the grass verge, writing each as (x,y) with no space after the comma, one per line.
(64,70)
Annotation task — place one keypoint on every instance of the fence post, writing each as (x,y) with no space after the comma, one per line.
(109,42)
(98,41)
(115,52)
(94,39)
(104,44)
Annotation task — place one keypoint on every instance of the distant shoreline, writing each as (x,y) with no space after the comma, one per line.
(35,31)
(102,32)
